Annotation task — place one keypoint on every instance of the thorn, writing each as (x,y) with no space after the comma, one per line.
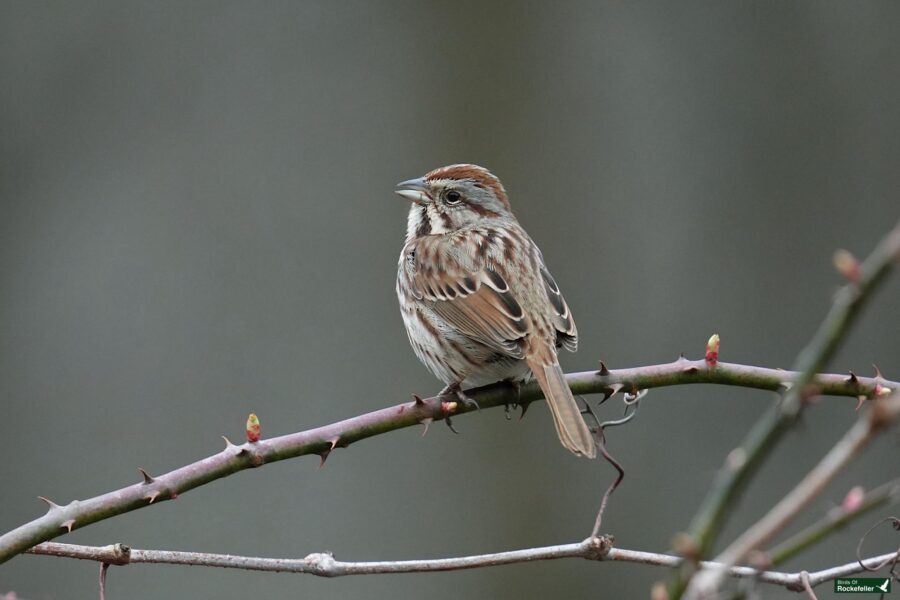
(334,442)
(681,358)
(147,479)
(860,400)
(323,457)
(68,525)
(852,379)
(152,496)
(786,385)
(603,372)
(877,371)
(228,443)
(53,505)
(418,400)
(426,422)
(690,369)
(611,391)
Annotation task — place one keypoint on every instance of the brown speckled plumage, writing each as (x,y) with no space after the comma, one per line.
(478,302)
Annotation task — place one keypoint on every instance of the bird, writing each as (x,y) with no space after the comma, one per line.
(477,300)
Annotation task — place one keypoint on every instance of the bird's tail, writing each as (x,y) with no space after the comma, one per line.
(570,426)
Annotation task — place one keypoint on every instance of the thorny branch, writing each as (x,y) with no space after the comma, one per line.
(321,441)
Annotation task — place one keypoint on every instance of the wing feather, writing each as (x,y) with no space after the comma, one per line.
(566,333)
(476,300)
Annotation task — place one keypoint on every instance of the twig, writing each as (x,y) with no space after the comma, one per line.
(804,580)
(762,438)
(895,523)
(325,565)
(104,567)
(632,402)
(836,518)
(882,414)
(322,440)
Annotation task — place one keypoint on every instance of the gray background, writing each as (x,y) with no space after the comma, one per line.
(198,222)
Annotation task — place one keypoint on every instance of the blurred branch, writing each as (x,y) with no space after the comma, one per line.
(836,518)
(325,565)
(742,462)
(882,414)
(322,440)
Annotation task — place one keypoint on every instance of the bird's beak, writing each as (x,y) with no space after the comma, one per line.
(414,190)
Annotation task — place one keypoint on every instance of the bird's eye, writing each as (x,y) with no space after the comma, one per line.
(452,197)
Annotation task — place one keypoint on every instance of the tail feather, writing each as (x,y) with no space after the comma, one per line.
(570,426)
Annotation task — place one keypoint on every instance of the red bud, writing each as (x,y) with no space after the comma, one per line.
(847,265)
(253,428)
(712,350)
(854,499)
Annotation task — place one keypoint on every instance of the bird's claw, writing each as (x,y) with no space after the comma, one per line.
(453,389)
(450,424)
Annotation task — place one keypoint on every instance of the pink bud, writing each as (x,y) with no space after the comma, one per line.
(847,265)
(712,350)
(253,428)
(854,499)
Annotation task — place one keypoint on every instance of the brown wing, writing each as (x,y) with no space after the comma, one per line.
(566,333)
(478,303)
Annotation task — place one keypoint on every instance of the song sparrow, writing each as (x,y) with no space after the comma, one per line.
(478,303)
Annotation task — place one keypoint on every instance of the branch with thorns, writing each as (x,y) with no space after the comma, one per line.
(322,441)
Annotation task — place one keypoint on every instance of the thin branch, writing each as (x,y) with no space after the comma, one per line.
(804,580)
(743,462)
(325,565)
(883,413)
(322,440)
(104,567)
(836,518)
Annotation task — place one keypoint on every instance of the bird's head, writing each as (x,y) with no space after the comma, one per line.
(451,198)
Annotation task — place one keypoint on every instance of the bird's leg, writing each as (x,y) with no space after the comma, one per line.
(517,388)
(454,389)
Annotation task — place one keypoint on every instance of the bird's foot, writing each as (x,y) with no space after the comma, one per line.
(455,391)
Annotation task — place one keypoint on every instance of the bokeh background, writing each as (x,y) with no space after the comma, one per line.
(198,222)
